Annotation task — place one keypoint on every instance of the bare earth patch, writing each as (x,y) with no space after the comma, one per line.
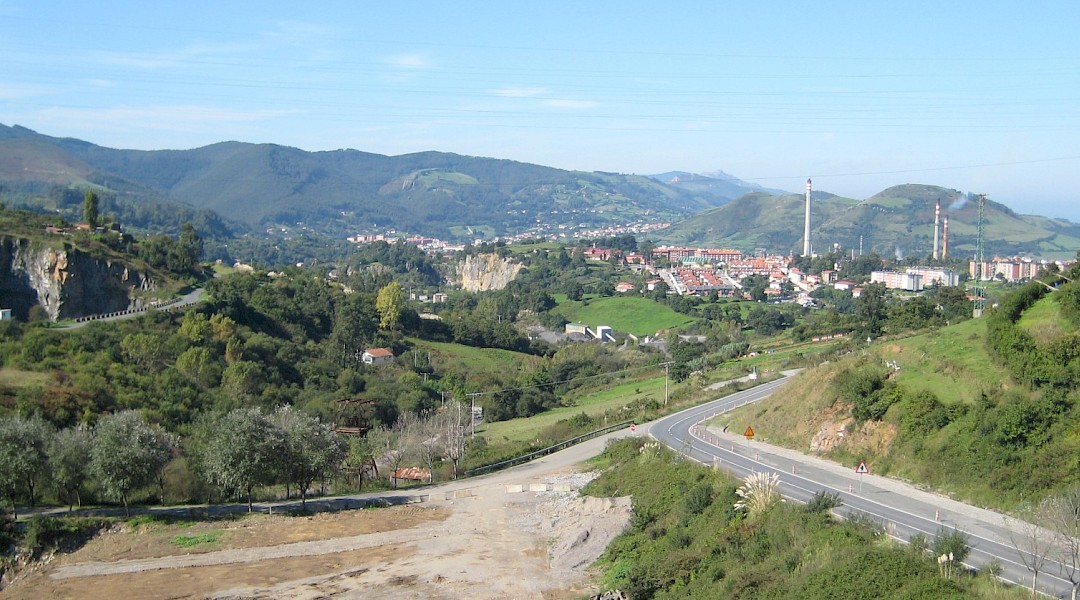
(491,544)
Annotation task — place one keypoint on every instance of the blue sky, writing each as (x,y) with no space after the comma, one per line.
(858,95)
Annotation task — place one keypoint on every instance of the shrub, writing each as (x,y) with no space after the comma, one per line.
(824,501)
(954,543)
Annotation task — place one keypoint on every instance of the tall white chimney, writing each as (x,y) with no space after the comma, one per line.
(806,226)
(945,240)
(937,220)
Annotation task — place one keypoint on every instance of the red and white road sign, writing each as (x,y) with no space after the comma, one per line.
(861,469)
(633,428)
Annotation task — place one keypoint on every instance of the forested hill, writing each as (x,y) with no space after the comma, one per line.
(897,221)
(345,191)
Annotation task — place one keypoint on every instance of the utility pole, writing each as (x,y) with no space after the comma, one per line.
(980,259)
(666,379)
(472,414)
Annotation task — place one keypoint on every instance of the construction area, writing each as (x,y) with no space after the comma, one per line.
(511,535)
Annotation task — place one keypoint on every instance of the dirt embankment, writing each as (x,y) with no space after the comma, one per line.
(490,544)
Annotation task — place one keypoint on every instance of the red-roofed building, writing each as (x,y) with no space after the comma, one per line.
(377,356)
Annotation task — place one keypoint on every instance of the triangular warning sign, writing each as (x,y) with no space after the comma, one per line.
(749,433)
(861,469)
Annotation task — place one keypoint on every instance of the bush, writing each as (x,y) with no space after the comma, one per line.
(62,533)
(954,542)
(824,501)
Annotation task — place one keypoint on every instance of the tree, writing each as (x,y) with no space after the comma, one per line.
(188,250)
(128,453)
(755,285)
(23,456)
(870,309)
(425,440)
(68,464)
(360,457)
(390,445)
(1030,541)
(90,208)
(455,416)
(768,321)
(310,449)
(239,451)
(200,367)
(390,304)
(574,290)
(146,350)
(1061,514)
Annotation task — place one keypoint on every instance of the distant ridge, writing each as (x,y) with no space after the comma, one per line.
(896,222)
(269,187)
(717,184)
(342,192)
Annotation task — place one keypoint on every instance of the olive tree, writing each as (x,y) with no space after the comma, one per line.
(68,465)
(238,451)
(128,453)
(360,457)
(23,456)
(310,449)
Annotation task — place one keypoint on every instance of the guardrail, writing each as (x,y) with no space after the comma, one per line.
(545,451)
(163,305)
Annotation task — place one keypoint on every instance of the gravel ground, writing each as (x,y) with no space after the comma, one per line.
(495,543)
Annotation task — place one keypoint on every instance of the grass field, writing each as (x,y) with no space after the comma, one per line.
(485,362)
(15,378)
(592,404)
(1044,321)
(952,362)
(637,315)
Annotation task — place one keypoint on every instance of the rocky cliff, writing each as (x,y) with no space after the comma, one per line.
(486,272)
(68,283)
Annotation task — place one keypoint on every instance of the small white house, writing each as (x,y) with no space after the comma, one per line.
(377,356)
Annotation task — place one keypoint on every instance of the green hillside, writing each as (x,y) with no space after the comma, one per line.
(942,409)
(342,192)
(896,221)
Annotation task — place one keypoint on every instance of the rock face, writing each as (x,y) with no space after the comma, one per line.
(485,272)
(68,283)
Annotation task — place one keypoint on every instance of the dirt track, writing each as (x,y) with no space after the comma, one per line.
(492,544)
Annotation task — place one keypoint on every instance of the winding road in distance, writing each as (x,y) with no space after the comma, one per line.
(904,510)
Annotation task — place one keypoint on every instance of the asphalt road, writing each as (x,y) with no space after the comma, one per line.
(187,299)
(904,510)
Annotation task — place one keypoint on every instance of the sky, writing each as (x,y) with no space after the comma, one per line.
(979,97)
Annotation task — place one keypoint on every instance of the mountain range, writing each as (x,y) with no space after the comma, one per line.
(896,222)
(344,192)
(236,187)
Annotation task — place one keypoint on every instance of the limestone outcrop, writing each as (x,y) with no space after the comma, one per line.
(484,272)
(68,283)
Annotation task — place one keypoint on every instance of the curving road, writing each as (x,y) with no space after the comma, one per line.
(904,510)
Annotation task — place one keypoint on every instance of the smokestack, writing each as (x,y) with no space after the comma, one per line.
(806,224)
(945,240)
(937,220)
